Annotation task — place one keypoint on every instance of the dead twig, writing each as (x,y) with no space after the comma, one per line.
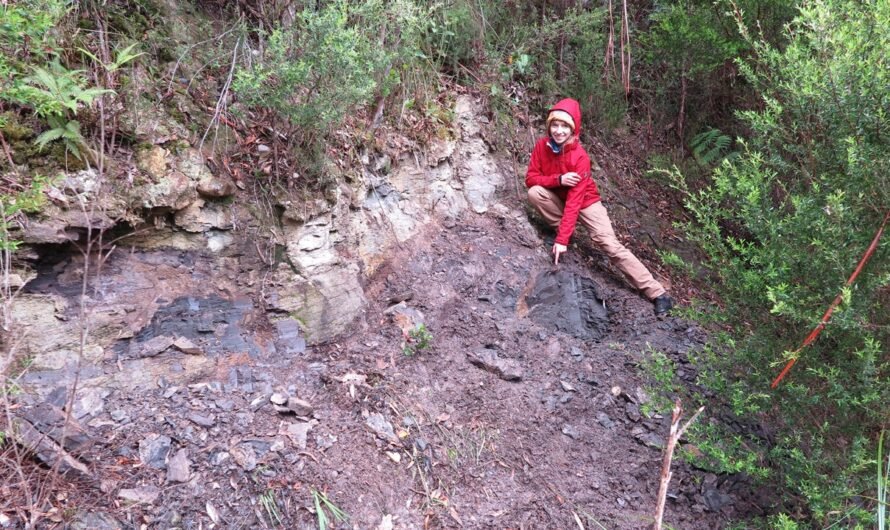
(220,102)
(673,438)
(6,150)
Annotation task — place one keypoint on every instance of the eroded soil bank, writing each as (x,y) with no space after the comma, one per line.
(455,400)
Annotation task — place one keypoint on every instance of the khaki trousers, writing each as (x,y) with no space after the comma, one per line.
(595,218)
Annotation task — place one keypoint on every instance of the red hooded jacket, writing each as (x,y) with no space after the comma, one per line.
(545,168)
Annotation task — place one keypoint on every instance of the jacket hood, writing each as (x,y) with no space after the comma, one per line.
(573,108)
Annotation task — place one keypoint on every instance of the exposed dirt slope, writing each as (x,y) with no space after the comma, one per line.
(495,420)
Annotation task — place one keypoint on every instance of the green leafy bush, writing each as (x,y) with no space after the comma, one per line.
(784,224)
(329,63)
(685,55)
(452,36)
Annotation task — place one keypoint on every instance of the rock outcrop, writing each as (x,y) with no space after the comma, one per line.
(306,270)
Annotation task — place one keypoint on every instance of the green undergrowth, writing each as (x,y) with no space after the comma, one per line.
(785,215)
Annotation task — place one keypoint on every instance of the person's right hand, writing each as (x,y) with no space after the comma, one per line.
(570,179)
(556,251)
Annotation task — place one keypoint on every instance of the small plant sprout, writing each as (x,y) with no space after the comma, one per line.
(267,500)
(323,505)
(417,340)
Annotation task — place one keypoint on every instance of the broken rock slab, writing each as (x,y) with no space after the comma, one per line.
(299,406)
(46,450)
(297,432)
(140,495)
(50,420)
(290,336)
(290,404)
(187,346)
(216,186)
(153,450)
(561,300)
(152,347)
(203,420)
(178,468)
(381,427)
(95,521)
(202,216)
(244,455)
(407,318)
(488,359)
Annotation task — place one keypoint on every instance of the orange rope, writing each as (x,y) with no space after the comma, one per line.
(818,329)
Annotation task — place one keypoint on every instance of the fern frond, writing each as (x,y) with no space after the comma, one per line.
(124,56)
(48,136)
(87,96)
(74,150)
(710,147)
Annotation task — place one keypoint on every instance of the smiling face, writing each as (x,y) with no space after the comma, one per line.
(560,131)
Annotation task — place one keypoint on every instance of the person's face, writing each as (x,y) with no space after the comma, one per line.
(560,131)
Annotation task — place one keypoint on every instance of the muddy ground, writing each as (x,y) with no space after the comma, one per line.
(455,402)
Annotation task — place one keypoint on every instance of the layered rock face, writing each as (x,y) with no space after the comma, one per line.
(174,252)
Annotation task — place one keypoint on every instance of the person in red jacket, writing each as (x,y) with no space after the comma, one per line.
(562,189)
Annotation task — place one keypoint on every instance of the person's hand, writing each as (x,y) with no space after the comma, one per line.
(570,179)
(556,251)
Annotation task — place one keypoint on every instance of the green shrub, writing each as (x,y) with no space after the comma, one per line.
(451,37)
(663,385)
(685,52)
(784,224)
(57,94)
(329,62)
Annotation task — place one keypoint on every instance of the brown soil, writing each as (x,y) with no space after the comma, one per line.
(566,446)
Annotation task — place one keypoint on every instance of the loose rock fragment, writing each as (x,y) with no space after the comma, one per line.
(212,513)
(633,412)
(487,359)
(571,431)
(154,346)
(649,439)
(178,467)
(45,449)
(244,455)
(298,432)
(94,521)
(187,346)
(381,427)
(51,421)
(141,495)
(605,420)
(153,450)
(293,405)
(203,421)
(300,407)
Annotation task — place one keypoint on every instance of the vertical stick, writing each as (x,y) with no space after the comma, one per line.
(675,433)
(610,45)
(625,51)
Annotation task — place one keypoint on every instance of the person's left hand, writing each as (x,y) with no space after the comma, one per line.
(570,179)
(556,251)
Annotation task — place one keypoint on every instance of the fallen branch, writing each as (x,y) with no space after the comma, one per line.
(673,438)
(827,316)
